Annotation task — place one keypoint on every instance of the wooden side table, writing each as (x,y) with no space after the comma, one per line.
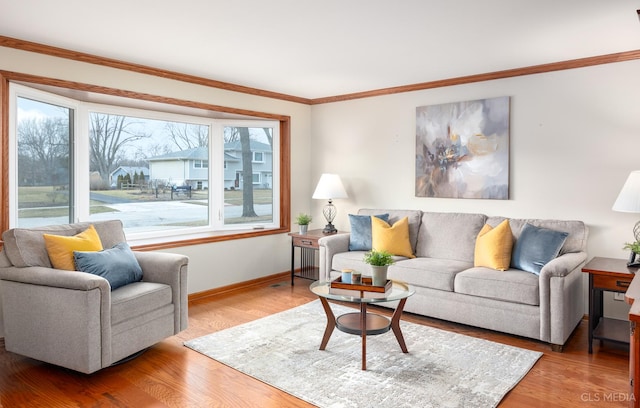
(607,275)
(308,244)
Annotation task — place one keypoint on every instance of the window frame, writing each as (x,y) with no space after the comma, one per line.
(45,83)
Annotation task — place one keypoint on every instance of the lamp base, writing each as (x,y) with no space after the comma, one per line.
(329,229)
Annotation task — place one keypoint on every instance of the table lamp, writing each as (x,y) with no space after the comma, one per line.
(329,187)
(629,201)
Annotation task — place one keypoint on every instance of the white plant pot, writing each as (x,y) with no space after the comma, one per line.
(379,275)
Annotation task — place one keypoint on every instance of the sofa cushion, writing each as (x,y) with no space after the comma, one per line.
(428,272)
(512,285)
(449,235)
(118,265)
(138,298)
(25,246)
(493,246)
(391,238)
(60,248)
(536,247)
(360,236)
(413,216)
(575,242)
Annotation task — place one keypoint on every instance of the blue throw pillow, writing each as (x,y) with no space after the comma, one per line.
(118,265)
(360,239)
(536,247)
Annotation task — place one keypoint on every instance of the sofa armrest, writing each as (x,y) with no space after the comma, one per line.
(329,246)
(563,265)
(170,269)
(561,297)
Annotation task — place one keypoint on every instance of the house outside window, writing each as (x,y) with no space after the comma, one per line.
(61,171)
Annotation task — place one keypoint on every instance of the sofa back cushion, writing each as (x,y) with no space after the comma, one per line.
(396,215)
(449,235)
(576,240)
(25,246)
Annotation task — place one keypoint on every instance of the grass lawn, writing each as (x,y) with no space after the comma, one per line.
(47,201)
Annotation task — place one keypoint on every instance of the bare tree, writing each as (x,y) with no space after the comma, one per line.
(188,135)
(247,173)
(109,136)
(45,142)
(231,134)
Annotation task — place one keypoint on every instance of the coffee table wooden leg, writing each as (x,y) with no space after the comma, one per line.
(395,325)
(363,327)
(331,323)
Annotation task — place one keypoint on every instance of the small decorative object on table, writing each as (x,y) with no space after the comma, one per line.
(303,220)
(379,261)
(364,289)
(356,277)
(346,275)
(634,256)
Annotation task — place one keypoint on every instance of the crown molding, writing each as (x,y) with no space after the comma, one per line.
(143,69)
(509,73)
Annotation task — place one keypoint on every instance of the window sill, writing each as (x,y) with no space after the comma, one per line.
(151,244)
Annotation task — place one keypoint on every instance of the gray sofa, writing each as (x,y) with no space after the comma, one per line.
(547,307)
(74,319)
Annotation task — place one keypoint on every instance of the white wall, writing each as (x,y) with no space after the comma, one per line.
(217,264)
(575,136)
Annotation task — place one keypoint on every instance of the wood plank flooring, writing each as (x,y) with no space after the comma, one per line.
(171,375)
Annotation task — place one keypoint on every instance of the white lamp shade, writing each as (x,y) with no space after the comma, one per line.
(330,187)
(629,198)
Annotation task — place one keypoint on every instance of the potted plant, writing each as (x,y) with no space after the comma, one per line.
(379,261)
(634,257)
(303,220)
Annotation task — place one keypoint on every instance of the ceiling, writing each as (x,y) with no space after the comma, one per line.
(330,47)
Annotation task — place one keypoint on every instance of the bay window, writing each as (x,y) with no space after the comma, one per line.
(163,170)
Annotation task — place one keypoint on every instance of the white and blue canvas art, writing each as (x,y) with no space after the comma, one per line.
(462,149)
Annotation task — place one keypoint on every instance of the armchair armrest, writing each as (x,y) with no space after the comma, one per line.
(33,300)
(170,269)
(329,246)
(39,275)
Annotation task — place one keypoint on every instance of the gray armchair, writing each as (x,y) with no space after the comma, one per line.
(73,319)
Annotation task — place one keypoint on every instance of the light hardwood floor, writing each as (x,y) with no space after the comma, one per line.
(170,375)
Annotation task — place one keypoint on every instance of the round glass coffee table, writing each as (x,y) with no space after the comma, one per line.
(363,323)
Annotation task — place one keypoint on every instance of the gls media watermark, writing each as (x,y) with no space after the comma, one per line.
(606,397)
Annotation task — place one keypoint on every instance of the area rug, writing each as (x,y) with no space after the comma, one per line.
(442,369)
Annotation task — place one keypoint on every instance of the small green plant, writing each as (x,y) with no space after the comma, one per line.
(378,258)
(633,246)
(304,219)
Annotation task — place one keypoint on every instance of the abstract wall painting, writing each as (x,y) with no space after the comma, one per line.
(462,149)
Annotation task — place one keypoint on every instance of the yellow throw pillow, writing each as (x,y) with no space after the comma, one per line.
(60,248)
(493,246)
(393,239)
